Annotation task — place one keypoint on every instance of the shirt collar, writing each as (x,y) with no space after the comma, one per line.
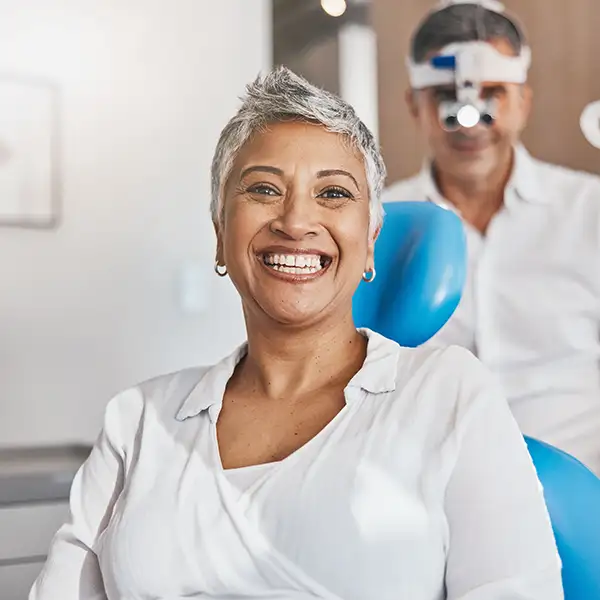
(524,181)
(376,376)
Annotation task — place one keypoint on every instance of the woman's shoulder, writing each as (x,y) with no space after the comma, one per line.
(439,359)
(444,382)
(159,397)
(436,363)
(161,391)
(400,362)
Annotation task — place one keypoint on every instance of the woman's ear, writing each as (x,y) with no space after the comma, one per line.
(219,258)
(371,247)
(375,235)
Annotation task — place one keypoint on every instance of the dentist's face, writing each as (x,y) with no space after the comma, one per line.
(478,151)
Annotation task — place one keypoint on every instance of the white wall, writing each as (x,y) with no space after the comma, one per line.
(358,72)
(92,307)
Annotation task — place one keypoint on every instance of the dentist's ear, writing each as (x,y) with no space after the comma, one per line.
(410,97)
(527,94)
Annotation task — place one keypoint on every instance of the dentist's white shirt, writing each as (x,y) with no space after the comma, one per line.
(421,488)
(531,306)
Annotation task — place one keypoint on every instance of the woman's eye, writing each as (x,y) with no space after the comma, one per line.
(335,193)
(264,190)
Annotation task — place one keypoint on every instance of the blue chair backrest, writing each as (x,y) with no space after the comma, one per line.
(420,259)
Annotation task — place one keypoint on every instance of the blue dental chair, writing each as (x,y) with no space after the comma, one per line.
(420,257)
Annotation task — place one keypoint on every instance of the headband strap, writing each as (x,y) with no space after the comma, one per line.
(474,62)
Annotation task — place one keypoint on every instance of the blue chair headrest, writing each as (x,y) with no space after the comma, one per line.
(420,260)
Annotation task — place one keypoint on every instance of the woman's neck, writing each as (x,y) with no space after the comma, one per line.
(286,363)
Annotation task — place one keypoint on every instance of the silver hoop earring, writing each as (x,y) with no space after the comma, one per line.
(368,279)
(220,270)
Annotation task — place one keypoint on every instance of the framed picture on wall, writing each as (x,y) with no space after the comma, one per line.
(29,153)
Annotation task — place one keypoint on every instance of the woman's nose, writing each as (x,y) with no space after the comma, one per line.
(297,219)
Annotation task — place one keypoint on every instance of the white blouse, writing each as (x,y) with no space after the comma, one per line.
(421,488)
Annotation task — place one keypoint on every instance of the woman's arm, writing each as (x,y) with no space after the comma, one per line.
(501,541)
(71,571)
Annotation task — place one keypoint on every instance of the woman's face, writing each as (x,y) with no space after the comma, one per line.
(295,229)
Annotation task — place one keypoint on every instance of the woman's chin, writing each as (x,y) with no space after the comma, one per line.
(292,314)
(295,319)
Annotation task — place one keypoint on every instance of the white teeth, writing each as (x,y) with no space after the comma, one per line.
(295,270)
(296,264)
(293,260)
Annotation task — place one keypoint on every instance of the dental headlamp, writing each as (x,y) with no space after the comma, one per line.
(465,66)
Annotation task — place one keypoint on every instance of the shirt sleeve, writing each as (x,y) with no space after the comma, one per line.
(501,542)
(71,571)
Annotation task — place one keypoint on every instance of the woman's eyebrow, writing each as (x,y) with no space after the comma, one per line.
(262,168)
(277,171)
(329,172)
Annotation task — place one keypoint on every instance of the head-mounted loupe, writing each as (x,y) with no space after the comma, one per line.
(465,66)
(469,108)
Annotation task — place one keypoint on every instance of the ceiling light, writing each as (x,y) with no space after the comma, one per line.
(334,8)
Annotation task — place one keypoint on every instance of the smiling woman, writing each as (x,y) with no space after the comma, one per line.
(317,460)
(293,235)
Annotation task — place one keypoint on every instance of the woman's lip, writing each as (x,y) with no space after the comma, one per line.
(295,277)
(284,250)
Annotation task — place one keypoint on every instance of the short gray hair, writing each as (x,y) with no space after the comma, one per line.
(463,23)
(279,96)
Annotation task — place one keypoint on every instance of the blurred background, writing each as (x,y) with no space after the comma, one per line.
(109,114)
